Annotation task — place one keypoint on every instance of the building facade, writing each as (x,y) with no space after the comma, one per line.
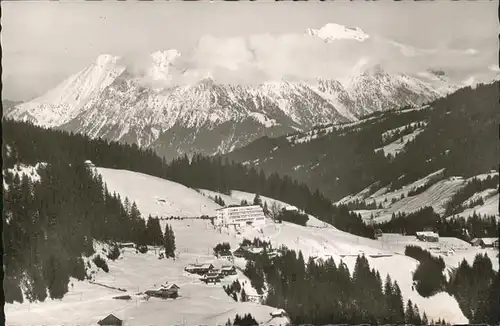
(427,236)
(240,215)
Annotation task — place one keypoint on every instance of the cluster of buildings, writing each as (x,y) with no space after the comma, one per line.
(238,216)
(209,273)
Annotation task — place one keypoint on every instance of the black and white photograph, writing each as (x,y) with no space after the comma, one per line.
(248,163)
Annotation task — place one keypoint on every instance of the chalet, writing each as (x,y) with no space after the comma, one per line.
(127,245)
(199,269)
(228,270)
(89,164)
(427,236)
(488,242)
(240,252)
(476,242)
(257,298)
(225,255)
(165,291)
(291,209)
(213,276)
(110,320)
(378,233)
(254,251)
(272,253)
(278,313)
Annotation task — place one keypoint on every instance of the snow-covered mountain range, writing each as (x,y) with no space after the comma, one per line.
(110,99)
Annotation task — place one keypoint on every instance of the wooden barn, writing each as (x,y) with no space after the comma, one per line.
(110,320)
(165,291)
(213,276)
(199,269)
(228,270)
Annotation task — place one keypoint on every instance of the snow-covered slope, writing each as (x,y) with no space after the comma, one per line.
(156,196)
(489,208)
(440,191)
(198,303)
(398,145)
(65,102)
(374,89)
(208,304)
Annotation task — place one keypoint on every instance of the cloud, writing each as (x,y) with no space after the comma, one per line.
(264,57)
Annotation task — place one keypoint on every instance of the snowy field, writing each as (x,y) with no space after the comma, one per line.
(436,196)
(490,207)
(452,250)
(205,304)
(197,304)
(156,196)
(399,144)
(391,132)
(382,194)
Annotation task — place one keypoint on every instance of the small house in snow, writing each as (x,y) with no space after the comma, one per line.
(165,291)
(89,164)
(488,242)
(225,255)
(213,276)
(199,269)
(110,320)
(476,242)
(257,298)
(127,245)
(240,252)
(427,236)
(278,313)
(228,270)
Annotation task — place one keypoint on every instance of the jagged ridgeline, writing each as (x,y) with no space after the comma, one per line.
(458,133)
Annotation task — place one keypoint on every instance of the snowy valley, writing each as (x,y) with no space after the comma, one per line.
(200,303)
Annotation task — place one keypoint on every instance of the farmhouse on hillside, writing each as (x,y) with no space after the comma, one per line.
(89,164)
(165,291)
(199,269)
(227,255)
(240,216)
(110,320)
(213,276)
(257,298)
(485,242)
(240,252)
(278,313)
(427,236)
(228,270)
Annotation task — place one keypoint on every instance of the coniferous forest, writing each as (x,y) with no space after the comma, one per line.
(323,292)
(51,224)
(30,144)
(425,218)
(460,136)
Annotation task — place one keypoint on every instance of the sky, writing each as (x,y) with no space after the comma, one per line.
(45,42)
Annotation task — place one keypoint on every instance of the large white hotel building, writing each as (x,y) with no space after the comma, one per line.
(240,215)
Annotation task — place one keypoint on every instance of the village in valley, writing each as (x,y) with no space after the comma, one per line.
(220,165)
(236,224)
